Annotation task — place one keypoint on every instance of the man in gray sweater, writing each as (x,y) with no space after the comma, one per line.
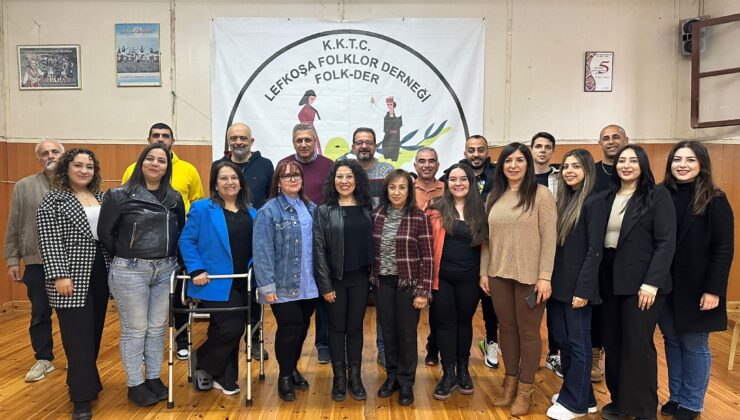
(21,242)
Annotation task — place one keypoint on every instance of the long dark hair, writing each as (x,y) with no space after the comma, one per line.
(570,201)
(643,194)
(527,190)
(362,184)
(704,188)
(304,101)
(60,181)
(410,203)
(282,169)
(473,213)
(137,176)
(242,197)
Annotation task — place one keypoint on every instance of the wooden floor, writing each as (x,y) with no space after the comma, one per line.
(48,398)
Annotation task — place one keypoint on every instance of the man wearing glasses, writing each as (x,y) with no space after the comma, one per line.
(185,180)
(256,168)
(363,147)
(315,170)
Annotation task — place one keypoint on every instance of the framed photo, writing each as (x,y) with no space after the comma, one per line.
(137,55)
(49,67)
(599,68)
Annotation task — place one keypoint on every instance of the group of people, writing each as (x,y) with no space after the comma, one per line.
(599,246)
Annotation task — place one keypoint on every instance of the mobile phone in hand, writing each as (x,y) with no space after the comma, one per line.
(531,299)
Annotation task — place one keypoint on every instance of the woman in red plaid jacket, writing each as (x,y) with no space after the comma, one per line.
(402,276)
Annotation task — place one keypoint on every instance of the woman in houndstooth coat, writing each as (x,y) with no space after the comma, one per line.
(76,269)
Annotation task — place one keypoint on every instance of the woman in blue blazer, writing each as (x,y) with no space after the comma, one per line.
(217,239)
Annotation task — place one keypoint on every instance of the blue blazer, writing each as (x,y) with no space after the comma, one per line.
(204,245)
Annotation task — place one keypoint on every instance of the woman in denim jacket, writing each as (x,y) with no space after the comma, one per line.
(283,263)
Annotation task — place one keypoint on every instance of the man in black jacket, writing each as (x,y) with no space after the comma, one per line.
(258,173)
(476,155)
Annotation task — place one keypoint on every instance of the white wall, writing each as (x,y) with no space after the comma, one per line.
(533,77)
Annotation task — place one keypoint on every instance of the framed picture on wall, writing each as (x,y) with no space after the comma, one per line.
(137,55)
(49,67)
(599,68)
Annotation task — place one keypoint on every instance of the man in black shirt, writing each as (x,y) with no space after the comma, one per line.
(611,139)
(258,172)
(257,169)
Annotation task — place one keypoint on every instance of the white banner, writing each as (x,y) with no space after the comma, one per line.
(416,82)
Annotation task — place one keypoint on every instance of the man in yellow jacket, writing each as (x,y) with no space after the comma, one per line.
(186,181)
(185,178)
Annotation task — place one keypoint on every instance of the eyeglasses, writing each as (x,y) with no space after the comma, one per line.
(162,135)
(365,143)
(291,177)
(425,161)
(235,138)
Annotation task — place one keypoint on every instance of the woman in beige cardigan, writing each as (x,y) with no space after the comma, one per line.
(516,266)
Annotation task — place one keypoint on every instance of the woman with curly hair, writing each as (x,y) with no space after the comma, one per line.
(76,270)
(343,255)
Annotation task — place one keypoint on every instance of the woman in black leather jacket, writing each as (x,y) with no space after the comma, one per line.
(139,225)
(343,255)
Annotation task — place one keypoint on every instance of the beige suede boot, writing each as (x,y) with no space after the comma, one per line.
(596,373)
(523,400)
(507,396)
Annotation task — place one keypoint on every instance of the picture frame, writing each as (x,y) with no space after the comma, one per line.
(138,54)
(598,71)
(49,67)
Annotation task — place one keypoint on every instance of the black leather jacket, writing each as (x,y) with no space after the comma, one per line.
(137,225)
(328,245)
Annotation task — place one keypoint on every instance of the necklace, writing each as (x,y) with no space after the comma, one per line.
(604,169)
(87,200)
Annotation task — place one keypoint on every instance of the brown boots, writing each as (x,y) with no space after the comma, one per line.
(523,400)
(507,397)
(596,372)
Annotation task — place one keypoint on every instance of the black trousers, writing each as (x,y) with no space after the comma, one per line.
(490,320)
(219,354)
(552,343)
(347,315)
(399,320)
(453,307)
(82,330)
(292,319)
(631,358)
(40,326)
(321,321)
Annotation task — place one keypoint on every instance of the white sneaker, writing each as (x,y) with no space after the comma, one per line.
(591,410)
(558,412)
(227,389)
(39,370)
(182,354)
(491,354)
(552,362)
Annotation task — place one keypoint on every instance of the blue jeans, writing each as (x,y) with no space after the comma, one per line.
(688,359)
(141,290)
(572,330)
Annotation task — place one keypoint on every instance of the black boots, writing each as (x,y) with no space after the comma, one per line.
(448,383)
(286,389)
(141,395)
(464,381)
(356,389)
(299,382)
(339,383)
(157,388)
(390,386)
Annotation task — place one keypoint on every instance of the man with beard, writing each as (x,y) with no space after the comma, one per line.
(185,180)
(257,172)
(315,170)
(364,146)
(21,242)
(257,169)
(476,155)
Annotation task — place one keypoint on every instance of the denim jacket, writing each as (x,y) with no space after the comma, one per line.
(277,248)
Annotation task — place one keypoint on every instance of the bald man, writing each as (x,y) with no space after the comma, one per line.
(611,139)
(21,242)
(257,169)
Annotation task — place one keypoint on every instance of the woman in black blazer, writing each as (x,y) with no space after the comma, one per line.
(634,280)
(701,266)
(575,281)
(76,270)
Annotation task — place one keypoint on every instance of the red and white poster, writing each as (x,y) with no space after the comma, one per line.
(416,82)
(598,71)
